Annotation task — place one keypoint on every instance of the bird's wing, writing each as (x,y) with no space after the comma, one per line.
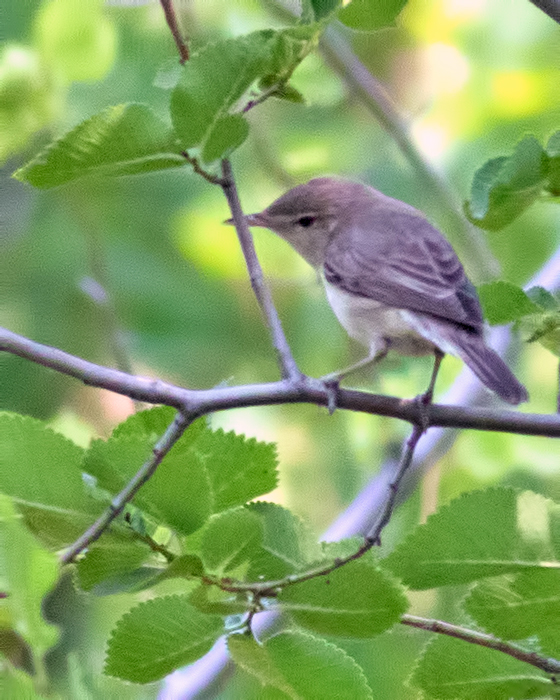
(401,260)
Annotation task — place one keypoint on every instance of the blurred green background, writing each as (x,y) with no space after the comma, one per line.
(470,77)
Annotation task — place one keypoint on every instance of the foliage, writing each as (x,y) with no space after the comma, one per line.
(195,556)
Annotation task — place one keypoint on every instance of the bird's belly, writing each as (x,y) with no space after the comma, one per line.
(372,323)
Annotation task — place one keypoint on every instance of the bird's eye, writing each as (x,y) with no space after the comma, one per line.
(306,221)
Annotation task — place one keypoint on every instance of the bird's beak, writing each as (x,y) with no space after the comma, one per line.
(251,219)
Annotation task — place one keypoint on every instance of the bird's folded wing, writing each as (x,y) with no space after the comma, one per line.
(400,260)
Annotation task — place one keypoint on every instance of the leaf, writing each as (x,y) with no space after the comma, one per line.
(323,8)
(239,468)
(369,15)
(231,540)
(516,607)
(212,601)
(543,298)
(504,302)
(178,494)
(480,534)
(110,559)
(553,153)
(157,637)
(27,573)
(301,666)
(40,470)
(356,600)
(124,140)
(504,187)
(451,669)
(215,79)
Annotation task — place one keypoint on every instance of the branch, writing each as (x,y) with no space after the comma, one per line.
(171,19)
(549,7)
(287,363)
(548,665)
(161,448)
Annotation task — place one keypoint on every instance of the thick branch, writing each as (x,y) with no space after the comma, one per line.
(287,363)
(549,7)
(544,663)
(204,401)
(161,448)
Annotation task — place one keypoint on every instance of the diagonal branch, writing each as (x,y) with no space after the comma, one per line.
(287,363)
(161,448)
(173,24)
(544,663)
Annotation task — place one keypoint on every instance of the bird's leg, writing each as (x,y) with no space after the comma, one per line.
(333,380)
(425,399)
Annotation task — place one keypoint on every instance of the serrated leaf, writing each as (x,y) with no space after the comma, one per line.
(231,540)
(178,494)
(109,559)
(27,573)
(286,538)
(504,302)
(504,187)
(152,423)
(40,470)
(157,637)
(480,534)
(124,140)
(369,15)
(451,669)
(301,666)
(216,78)
(356,600)
(239,468)
(516,607)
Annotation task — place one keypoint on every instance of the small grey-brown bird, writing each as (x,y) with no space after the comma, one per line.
(392,279)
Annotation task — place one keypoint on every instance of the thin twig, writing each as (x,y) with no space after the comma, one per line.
(287,363)
(172,23)
(199,170)
(544,663)
(162,447)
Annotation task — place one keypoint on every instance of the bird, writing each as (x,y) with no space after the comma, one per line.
(392,279)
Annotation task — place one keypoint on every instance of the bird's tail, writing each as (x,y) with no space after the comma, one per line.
(487,365)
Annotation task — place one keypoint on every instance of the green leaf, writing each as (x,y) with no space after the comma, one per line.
(239,468)
(212,601)
(124,140)
(451,669)
(214,80)
(301,666)
(27,573)
(504,187)
(110,559)
(544,328)
(40,470)
(543,298)
(288,545)
(323,8)
(480,534)
(504,302)
(356,600)
(151,424)
(157,637)
(516,607)
(178,494)
(553,153)
(231,540)
(369,15)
